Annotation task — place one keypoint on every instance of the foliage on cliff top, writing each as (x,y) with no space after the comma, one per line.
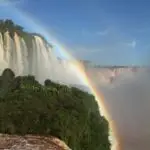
(11,27)
(27,107)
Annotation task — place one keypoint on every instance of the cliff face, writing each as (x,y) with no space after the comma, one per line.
(36,58)
(28,53)
(29,142)
(106,75)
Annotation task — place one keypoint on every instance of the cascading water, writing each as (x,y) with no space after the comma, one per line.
(37,59)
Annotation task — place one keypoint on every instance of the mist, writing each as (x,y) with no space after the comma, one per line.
(128,103)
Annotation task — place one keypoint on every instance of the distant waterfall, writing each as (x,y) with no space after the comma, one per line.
(38,60)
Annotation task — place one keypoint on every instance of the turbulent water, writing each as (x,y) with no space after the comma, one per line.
(38,59)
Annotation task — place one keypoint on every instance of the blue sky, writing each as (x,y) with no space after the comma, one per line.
(103,31)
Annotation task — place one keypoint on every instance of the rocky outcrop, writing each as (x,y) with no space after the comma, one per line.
(30,142)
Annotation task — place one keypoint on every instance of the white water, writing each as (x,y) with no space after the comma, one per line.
(39,60)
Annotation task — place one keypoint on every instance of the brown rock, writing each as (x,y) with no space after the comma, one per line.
(31,142)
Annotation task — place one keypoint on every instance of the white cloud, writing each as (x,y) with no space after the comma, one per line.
(99,33)
(10,2)
(87,50)
(132,44)
(102,33)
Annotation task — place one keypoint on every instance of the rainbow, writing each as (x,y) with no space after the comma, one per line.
(39,28)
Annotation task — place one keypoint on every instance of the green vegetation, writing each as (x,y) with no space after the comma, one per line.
(27,107)
(12,28)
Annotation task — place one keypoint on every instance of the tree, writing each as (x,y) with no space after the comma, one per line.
(47,82)
(52,109)
(6,81)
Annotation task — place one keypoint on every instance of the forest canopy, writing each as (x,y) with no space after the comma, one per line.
(27,107)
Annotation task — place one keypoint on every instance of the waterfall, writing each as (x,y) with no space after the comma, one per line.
(1,48)
(38,60)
